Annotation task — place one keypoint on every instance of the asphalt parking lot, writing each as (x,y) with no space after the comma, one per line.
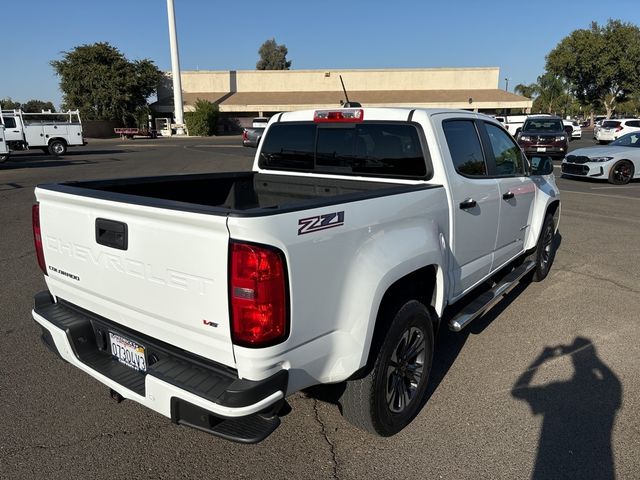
(546,385)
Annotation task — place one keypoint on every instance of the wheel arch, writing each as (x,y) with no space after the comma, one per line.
(554,210)
(425,285)
(61,139)
(548,203)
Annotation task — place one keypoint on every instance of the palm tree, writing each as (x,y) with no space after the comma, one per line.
(528,91)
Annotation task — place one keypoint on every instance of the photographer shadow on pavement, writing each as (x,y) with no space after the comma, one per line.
(578,414)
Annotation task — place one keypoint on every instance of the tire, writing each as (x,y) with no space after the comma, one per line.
(621,173)
(377,403)
(57,147)
(545,250)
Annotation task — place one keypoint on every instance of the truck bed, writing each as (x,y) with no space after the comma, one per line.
(235,194)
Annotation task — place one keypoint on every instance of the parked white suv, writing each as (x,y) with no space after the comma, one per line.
(613,129)
(572,128)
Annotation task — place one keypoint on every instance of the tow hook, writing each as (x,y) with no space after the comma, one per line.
(116,396)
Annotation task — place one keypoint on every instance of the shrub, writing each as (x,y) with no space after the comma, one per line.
(202,121)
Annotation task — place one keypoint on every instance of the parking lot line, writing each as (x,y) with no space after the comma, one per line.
(150,145)
(219,146)
(617,188)
(599,195)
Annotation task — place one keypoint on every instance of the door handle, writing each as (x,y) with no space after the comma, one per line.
(468,203)
(508,196)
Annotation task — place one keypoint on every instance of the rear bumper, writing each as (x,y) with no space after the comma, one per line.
(186,388)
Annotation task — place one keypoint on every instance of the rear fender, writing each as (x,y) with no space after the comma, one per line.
(379,264)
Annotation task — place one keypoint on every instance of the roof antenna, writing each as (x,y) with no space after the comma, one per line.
(348,104)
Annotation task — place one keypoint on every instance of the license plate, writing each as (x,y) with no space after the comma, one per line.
(128,352)
(542,149)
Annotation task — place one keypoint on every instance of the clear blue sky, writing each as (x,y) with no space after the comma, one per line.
(215,35)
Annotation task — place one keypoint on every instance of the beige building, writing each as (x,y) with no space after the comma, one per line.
(244,94)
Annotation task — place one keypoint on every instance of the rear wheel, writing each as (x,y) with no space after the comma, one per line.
(394,391)
(57,147)
(621,173)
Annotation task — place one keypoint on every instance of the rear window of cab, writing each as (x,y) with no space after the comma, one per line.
(364,149)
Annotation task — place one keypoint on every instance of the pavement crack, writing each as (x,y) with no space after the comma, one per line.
(323,431)
(82,440)
(24,255)
(602,279)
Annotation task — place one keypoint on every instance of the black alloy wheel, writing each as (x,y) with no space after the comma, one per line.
(405,369)
(621,173)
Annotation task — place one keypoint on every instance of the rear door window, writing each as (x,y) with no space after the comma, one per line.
(368,149)
(9,122)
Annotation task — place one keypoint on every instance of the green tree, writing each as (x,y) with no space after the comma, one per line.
(32,106)
(9,104)
(273,56)
(202,121)
(99,81)
(602,63)
(36,106)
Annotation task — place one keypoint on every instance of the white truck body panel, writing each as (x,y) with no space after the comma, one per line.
(161,286)
(338,277)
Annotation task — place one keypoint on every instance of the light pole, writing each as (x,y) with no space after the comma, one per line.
(506,81)
(175,70)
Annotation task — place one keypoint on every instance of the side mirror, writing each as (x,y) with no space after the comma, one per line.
(541,165)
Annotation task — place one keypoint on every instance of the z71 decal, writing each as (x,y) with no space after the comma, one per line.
(320,222)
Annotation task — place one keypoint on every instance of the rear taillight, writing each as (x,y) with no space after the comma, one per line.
(37,237)
(619,128)
(245,135)
(258,291)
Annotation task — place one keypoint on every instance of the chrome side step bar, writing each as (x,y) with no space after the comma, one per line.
(488,299)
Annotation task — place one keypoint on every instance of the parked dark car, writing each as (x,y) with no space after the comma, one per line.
(544,134)
(251,136)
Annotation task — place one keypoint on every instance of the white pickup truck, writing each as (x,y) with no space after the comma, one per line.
(50,132)
(210,298)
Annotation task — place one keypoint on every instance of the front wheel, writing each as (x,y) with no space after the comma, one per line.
(621,173)
(57,148)
(545,250)
(393,392)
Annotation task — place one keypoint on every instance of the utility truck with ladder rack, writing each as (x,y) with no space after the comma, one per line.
(50,132)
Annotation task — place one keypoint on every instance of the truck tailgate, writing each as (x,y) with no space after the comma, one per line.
(168,281)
